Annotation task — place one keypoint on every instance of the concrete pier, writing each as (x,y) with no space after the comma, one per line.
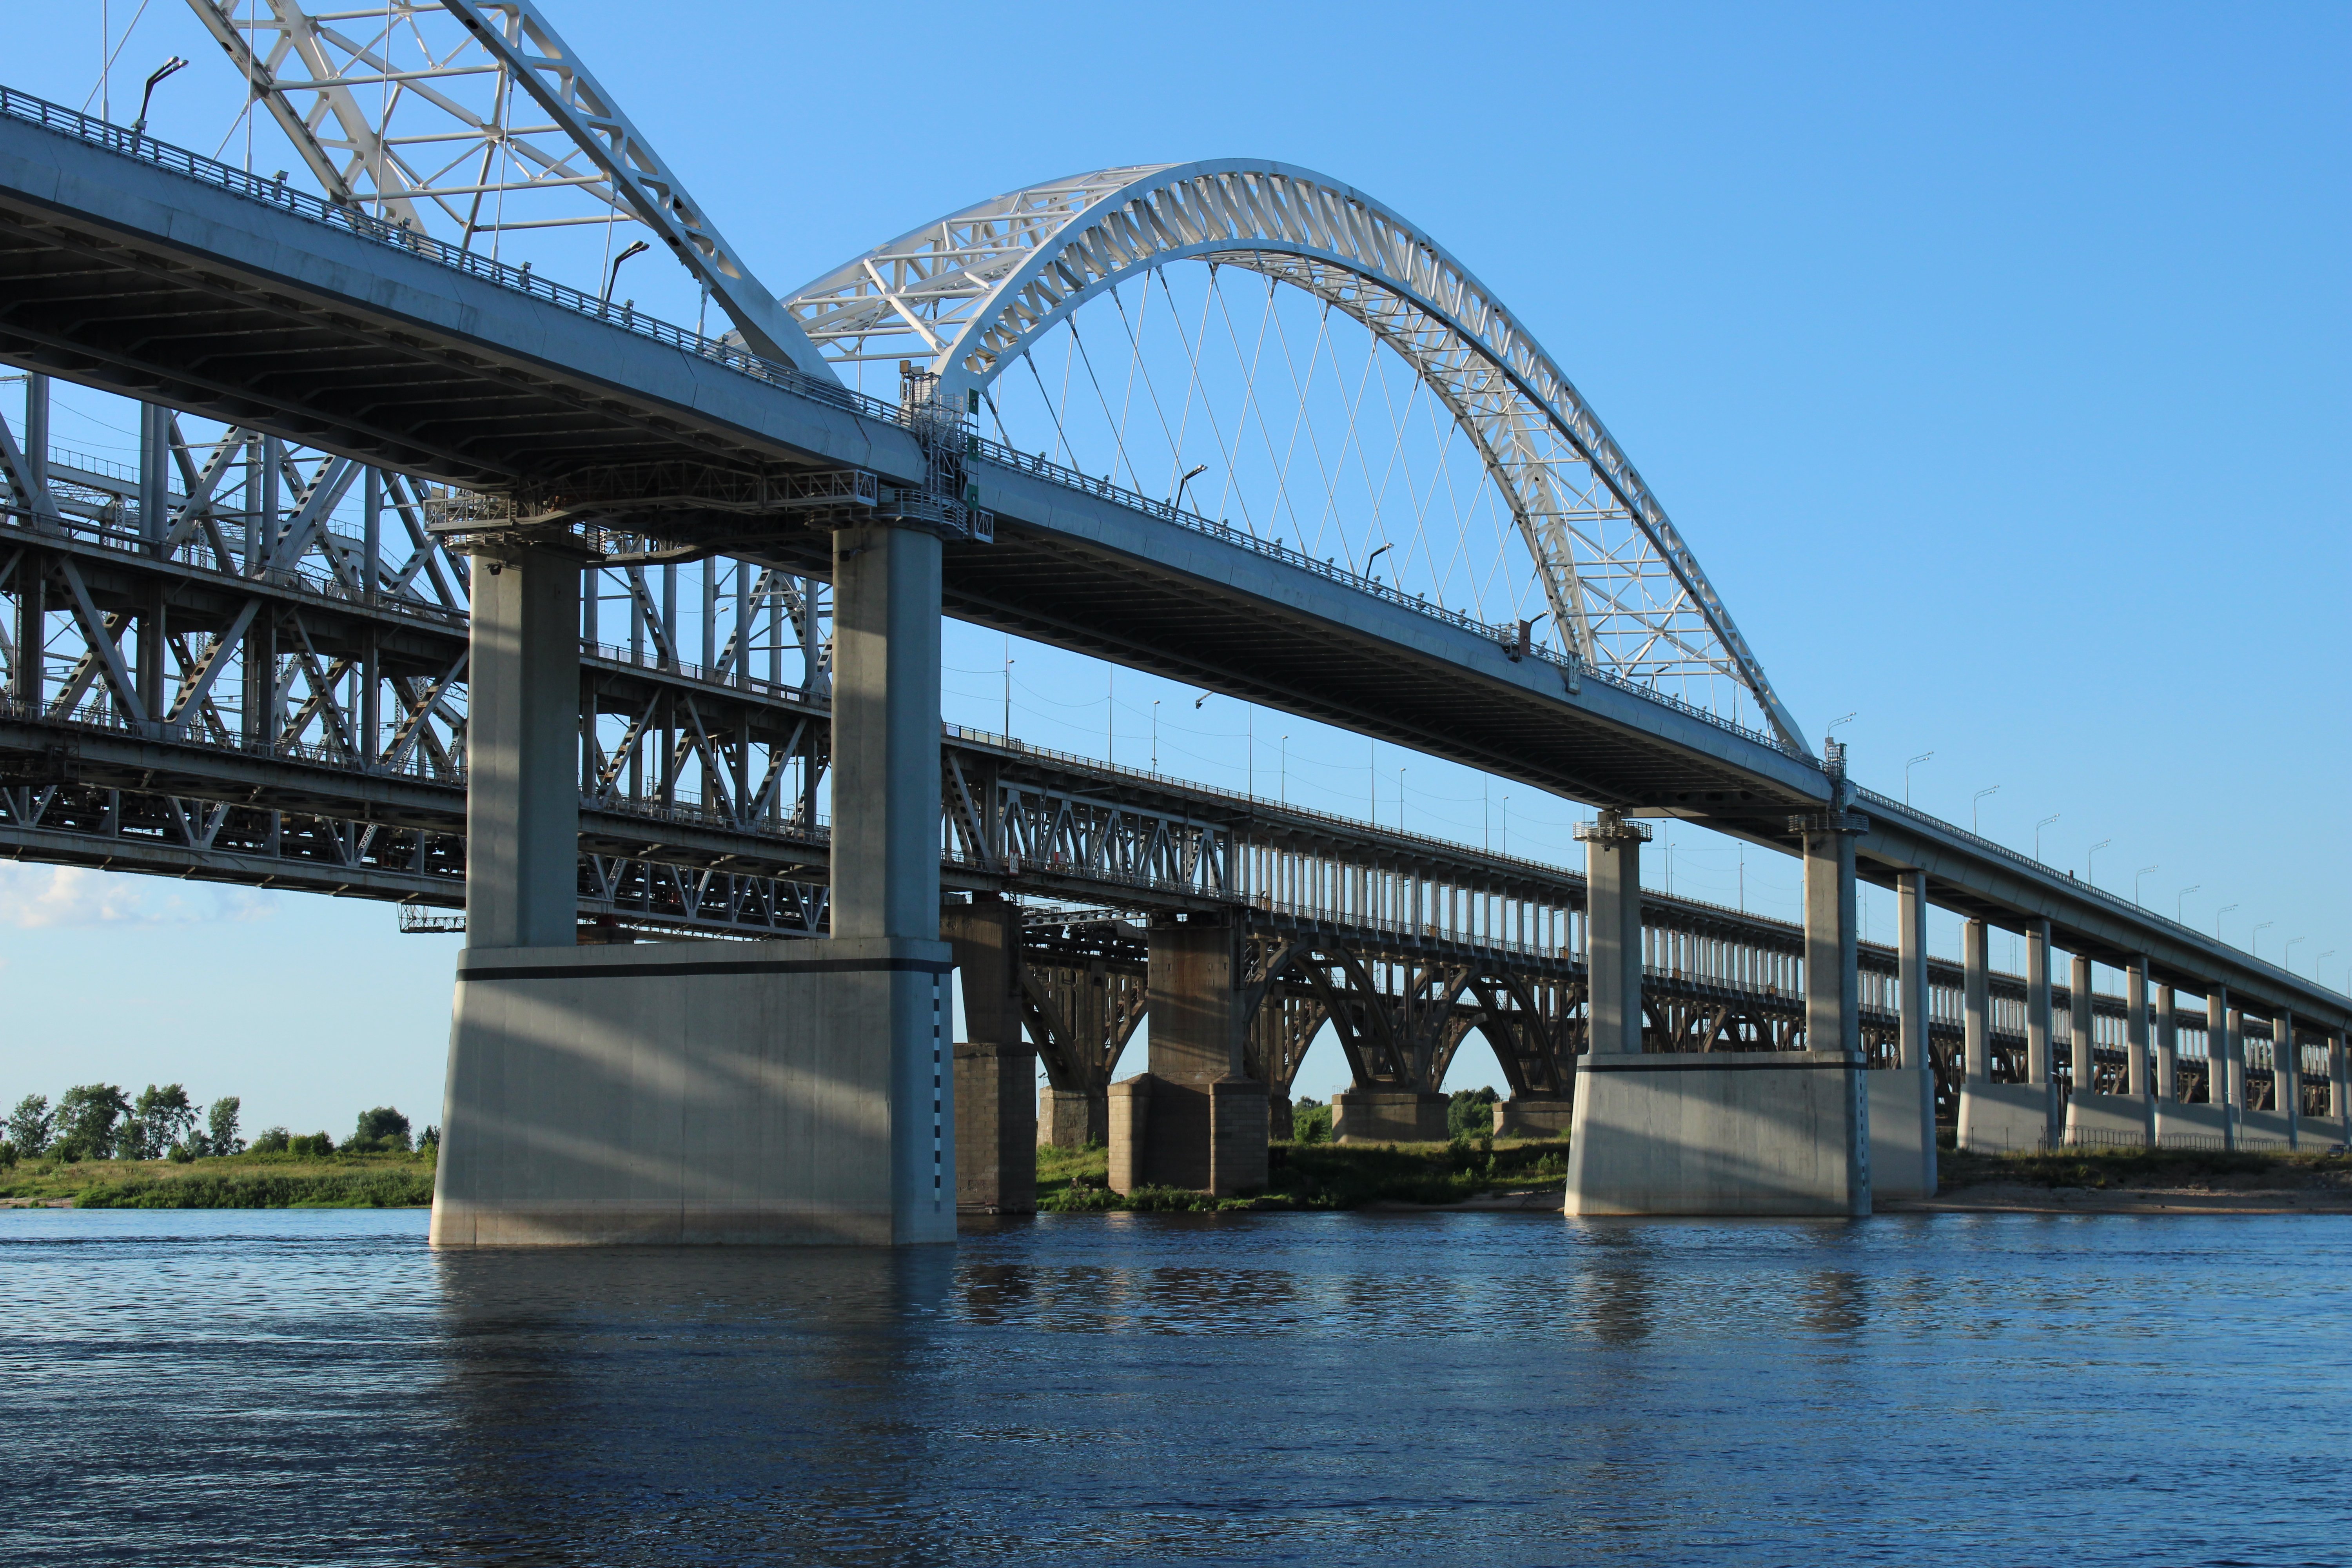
(1195,1121)
(699,1092)
(1741,1133)
(2277,1128)
(2124,1120)
(1998,1117)
(1903,1099)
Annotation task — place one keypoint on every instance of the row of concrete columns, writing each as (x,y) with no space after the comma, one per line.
(2149,1108)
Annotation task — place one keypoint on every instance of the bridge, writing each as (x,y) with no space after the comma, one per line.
(343,628)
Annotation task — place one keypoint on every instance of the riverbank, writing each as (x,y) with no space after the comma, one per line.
(1530,1177)
(226,1182)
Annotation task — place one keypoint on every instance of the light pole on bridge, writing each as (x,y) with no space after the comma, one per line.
(2181,906)
(2286,959)
(2088,855)
(2255,939)
(2037,833)
(2137,877)
(1974,813)
(2224,910)
(1914,763)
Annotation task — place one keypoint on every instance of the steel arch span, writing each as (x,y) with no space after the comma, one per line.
(970,293)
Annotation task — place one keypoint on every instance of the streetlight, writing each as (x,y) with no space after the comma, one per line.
(1155,734)
(2224,910)
(2088,876)
(2137,877)
(1008,687)
(2319,964)
(1399,800)
(2037,833)
(636,248)
(1375,555)
(2256,939)
(1972,806)
(1906,774)
(1284,786)
(2286,959)
(1198,469)
(139,126)
(2180,909)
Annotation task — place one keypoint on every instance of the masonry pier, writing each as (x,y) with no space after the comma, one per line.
(701,1092)
(996,1066)
(1193,1119)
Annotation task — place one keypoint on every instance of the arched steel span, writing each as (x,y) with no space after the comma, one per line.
(972,291)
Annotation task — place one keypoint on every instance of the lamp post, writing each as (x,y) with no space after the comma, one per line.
(2088,875)
(1914,763)
(1284,786)
(2181,906)
(636,248)
(1155,734)
(2137,877)
(2224,910)
(2255,939)
(1197,470)
(139,126)
(2037,833)
(2286,959)
(1973,812)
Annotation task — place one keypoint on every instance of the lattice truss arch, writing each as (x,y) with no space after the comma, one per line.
(972,291)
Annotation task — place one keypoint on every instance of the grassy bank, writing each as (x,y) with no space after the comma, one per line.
(2144,1170)
(1317,1176)
(228,1181)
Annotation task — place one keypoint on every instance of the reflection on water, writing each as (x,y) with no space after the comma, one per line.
(1492,1389)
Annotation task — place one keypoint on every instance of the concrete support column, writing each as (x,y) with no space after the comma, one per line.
(1903,1147)
(886,733)
(2081,1063)
(1613,933)
(2135,1028)
(2038,1019)
(1976,1001)
(886,837)
(995,1067)
(1833,975)
(2339,1089)
(2235,1024)
(523,755)
(2168,1049)
(2217,1061)
(2286,1075)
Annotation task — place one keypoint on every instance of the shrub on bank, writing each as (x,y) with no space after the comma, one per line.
(264,1190)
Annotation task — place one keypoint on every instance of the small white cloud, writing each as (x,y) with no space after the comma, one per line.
(39,895)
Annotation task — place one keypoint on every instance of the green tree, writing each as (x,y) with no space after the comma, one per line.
(1470,1113)
(1310,1122)
(220,1134)
(31,1126)
(159,1118)
(383,1129)
(272,1141)
(90,1117)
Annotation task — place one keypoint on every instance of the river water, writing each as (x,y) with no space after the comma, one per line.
(320,1387)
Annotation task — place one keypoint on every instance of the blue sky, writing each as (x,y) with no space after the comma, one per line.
(1991,357)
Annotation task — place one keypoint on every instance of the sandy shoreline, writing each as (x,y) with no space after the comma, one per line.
(1992,1197)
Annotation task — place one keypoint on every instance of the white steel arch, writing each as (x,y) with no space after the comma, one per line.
(970,292)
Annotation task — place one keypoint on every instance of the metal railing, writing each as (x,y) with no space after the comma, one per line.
(277,193)
(2140,912)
